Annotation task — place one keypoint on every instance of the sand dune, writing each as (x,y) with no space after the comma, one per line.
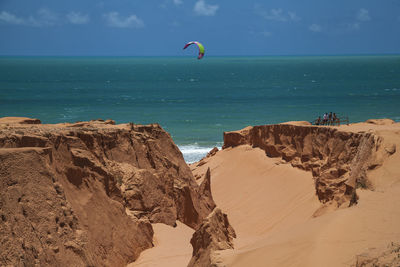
(330,240)
(270,205)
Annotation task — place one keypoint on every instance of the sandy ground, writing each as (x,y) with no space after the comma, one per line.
(287,233)
(270,205)
(171,247)
(261,195)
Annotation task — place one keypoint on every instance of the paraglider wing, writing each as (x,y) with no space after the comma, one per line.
(199,45)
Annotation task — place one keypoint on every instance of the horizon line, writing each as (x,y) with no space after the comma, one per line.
(212,56)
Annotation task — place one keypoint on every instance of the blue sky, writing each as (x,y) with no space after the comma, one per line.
(225,27)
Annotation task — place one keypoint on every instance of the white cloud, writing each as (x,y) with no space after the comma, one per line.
(315,28)
(77,18)
(9,18)
(43,17)
(178,2)
(115,20)
(363,15)
(203,9)
(277,14)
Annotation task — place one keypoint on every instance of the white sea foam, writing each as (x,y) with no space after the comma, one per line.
(194,152)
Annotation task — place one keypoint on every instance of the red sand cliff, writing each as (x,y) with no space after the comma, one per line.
(86,193)
(337,159)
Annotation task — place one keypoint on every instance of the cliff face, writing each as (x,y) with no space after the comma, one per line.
(85,193)
(214,234)
(338,160)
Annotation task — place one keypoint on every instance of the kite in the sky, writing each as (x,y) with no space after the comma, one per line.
(200,46)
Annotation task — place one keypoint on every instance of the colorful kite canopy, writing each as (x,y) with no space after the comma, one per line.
(199,45)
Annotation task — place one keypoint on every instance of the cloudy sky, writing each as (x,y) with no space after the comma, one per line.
(225,27)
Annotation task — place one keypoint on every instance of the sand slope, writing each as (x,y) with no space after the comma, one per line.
(171,247)
(259,192)
(270,205)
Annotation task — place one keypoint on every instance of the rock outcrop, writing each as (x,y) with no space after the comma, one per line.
(214,234)
(44,221)
(19,120)
(379,257)
(84,194)
(380,121)
(338,160)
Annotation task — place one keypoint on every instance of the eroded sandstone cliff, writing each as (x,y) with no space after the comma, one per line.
(214,234)
(338,160)
(85,194)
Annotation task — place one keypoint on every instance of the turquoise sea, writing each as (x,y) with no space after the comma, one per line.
(197,100)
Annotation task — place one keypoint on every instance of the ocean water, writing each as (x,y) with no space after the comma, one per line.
(197,100)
